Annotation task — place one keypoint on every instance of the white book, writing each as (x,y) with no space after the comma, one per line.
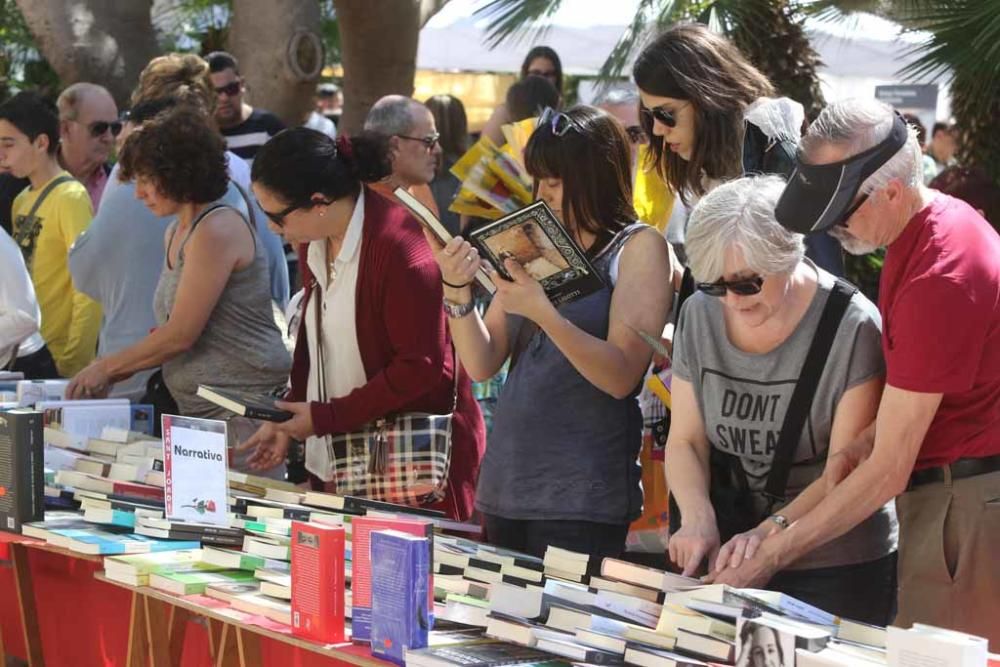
(923,645)
(515,600)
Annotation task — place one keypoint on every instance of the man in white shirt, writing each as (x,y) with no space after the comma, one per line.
(20,317)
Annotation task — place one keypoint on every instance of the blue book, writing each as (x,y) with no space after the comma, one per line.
(98,542)
(142,418)
(399,621)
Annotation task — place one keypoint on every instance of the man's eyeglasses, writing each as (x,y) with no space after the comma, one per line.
(636,134)
(429,141)
(231,89)
(100,127)
(661,115)
(279,217)
(558,122)
(742,287)
(851,211)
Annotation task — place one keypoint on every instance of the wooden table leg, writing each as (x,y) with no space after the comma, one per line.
(228,653)
(26,603)
(158,631)
(138,638)
(214,629)
(179,618)
(249,643)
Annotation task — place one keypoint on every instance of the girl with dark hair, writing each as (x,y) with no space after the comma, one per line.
(561,466)
(541,61)
(372,339)
(711,116)
(453,126)
(212,303)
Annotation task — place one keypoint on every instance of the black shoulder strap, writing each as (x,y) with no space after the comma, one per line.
(46,191)
(194,224)
(805,389)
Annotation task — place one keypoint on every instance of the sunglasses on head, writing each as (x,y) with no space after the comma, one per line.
(742,287)
(429,141)
(100,127)
(636,134)
(279,217)
(558,122)
(231,89)
(661,115)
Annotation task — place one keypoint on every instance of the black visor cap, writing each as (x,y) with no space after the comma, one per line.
(818,195)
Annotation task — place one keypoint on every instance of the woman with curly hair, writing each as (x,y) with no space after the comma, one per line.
(212,302)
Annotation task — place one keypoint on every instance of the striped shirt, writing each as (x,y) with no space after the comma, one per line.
(246,138)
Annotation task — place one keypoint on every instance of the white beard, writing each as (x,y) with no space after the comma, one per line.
(851,243)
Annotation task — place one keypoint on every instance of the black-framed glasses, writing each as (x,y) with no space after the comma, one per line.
(664,116)
(279,217)
(742,287)
(851,211)
(558,122)
(97,129)
(429,141)
(636,134)
(231,89)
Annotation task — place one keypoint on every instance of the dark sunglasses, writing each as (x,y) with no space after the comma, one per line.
(741,287)
(230,89)
(429,141)
(544,73)
(279,217)
(100,127)
(851,211)
(660,114)
(558,122)
(636,134)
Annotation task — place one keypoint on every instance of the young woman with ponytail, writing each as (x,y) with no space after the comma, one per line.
(381,328)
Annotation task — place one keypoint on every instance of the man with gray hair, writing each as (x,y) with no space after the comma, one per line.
(413,140)
(88,125)
(935,443)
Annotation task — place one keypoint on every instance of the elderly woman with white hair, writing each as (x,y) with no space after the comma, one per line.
(777,365)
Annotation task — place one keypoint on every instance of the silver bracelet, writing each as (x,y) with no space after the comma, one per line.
(780,520)
(458,310)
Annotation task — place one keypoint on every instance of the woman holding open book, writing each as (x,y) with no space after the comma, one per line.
(560,468)
(372,339)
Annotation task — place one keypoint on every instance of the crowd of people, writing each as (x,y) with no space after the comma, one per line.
(842,451)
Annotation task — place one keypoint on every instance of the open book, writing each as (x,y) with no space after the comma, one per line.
(533,237)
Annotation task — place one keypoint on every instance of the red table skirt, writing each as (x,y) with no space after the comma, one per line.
(85,622)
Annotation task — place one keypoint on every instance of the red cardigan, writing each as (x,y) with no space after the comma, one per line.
(404,344)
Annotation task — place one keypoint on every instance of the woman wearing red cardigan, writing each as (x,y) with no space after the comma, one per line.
(381,329)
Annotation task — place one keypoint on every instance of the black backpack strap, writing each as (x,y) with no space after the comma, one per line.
(53,184)
(805,389)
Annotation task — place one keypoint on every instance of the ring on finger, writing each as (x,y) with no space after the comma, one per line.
(469,257)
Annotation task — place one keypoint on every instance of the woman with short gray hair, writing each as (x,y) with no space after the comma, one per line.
(741,345)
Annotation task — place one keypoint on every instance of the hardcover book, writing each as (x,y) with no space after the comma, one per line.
(254,406)
(317,582)
(531,236)
(400,584)
(22,474)
(361,579)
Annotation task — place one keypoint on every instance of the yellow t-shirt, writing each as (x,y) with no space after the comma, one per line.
(652,197)
(70,320)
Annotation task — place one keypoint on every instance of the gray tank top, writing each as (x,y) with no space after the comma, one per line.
(240,346)
(562,449)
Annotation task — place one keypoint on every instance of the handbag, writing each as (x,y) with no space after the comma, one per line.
(403,458)
(729,491)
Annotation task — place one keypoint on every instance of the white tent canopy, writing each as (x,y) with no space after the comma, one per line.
(858,53)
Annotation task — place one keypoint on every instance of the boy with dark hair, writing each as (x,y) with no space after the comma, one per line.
(245,128)
(48,215)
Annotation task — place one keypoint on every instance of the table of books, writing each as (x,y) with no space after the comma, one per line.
(75,617)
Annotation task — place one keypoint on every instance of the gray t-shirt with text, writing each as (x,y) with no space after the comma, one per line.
(743,399)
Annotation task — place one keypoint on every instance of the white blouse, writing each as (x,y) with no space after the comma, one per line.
(344,371)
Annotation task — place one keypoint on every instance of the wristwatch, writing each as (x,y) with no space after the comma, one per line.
(458,310)
(781,521)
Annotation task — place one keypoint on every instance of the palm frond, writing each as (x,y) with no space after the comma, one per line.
(514,19)
(651,16)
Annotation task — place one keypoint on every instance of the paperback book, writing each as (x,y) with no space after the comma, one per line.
(317,582)
(22,478)
(400,587)
(253,406)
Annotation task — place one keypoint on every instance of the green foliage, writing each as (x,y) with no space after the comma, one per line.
(21,65)
(865,271)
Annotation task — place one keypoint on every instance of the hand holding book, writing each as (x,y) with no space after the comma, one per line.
(523,295)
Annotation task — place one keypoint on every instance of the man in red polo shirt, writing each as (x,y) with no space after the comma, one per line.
(935,444)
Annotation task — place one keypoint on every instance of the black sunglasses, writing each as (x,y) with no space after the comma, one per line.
(100,127)
(660,114)
(279,217)
(842,222)
(558,122)
(231,89)
(741,287)
(429,141)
